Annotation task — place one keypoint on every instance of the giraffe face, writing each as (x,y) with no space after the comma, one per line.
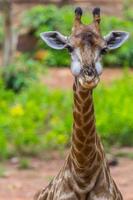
(86,47)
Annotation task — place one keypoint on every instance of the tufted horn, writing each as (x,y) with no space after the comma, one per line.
(78,15)
(96,15)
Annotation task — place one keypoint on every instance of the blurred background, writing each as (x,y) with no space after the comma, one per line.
(36,94)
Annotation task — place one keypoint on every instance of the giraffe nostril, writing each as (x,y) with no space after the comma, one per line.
(90,72)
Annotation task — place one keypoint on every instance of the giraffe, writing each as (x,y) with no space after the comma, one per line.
(85,174)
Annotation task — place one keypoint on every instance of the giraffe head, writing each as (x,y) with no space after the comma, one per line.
(86,46)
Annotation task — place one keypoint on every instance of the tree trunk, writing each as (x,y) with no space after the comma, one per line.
(8,39)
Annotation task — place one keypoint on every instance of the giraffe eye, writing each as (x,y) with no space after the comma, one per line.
(104,50)
(70,48)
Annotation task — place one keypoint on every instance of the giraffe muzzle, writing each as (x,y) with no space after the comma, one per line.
(89,77)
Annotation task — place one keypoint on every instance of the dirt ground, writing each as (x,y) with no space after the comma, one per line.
(62,77)
(22,184)
(16,184)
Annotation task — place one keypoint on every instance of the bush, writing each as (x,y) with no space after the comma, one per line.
(114,112)
(123,55)
(40,19)
(18,75)
(29,120)
(38,118)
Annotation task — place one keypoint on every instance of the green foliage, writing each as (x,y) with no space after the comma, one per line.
(43,20)
(40,19)
(129,14)
(114,112)
(31,120)
(123,55)
(38,118)
(18,75)
(58,59)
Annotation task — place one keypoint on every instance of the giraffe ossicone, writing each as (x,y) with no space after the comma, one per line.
(85,174)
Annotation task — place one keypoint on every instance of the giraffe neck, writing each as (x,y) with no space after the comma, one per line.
(86,150)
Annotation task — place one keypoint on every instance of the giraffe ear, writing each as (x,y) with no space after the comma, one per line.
(54,39)
(115,39)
